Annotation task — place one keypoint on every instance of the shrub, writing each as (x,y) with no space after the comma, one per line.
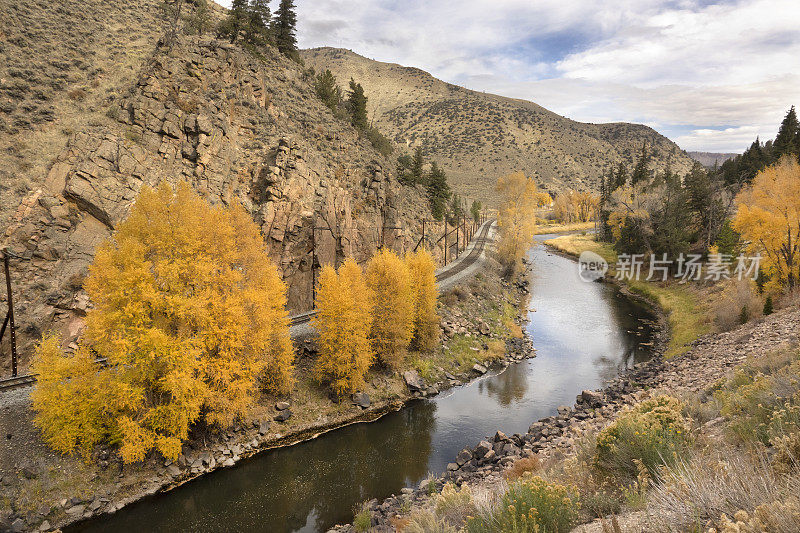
(389,281)
(738,302)
(654,432)
(768,310)
(522,466)
(530,505)
(362,520)
(344,320)
(423,287)
(189,312)
(454,506)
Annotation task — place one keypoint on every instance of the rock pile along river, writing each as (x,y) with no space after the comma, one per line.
(584,333)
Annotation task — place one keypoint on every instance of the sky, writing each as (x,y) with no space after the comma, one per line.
(711,76)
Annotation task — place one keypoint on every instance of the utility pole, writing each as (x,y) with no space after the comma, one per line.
(445,239)
(9,321)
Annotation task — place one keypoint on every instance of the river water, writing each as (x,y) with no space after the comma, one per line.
(584,333)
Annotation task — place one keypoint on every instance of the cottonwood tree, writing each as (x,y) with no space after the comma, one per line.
(188,311)
(575,206)
(389,280)
(768,218)
(424,295)
(516,217)
(344,322)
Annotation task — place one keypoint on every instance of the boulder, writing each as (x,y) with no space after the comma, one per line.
(482,448)
(283,415)
(452,467)
(480,369)
(592,398)
(564,410)
(263,427)
(413,381)
(361,399)
(281,406)
(463,456)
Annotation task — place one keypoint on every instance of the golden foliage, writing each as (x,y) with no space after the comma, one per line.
(389,280)
(768,217)
(344,321)
(516,216)
(189,312)
(573,206)
(423,288)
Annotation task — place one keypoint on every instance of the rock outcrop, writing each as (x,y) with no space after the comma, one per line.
(238,128)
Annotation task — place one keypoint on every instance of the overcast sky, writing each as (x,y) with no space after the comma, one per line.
(709,75)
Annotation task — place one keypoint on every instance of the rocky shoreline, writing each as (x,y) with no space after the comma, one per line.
(709,359)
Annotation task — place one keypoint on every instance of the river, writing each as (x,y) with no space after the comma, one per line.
(584,333)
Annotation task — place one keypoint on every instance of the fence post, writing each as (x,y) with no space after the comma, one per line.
(10,318)
(445,240)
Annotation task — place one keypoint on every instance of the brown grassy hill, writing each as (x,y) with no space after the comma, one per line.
(477,136)
(239,127)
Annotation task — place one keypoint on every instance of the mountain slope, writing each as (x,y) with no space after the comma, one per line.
(478,137)
(238,127)
(709,159)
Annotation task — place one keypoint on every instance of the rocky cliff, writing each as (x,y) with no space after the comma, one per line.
(477,137)
(240,128)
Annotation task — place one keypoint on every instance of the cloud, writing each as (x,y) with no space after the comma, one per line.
(722,68)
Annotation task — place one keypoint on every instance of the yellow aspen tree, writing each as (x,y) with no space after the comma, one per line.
(768,217)
(189,312)
(344,321)
(516,217)
(389,281)
(423,287)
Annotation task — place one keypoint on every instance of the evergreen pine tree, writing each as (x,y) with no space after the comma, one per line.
(357,102)
(257,29)
(438,191)
(641,171)
(620,178)
(200,20)
(768,306)
(328,90)
(475,211)
(284,26)
(235,22)
(417,162)
(786,140)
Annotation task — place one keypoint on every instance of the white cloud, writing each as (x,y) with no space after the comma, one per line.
(682,65)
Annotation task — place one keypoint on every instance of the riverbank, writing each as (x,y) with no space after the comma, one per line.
(43,490)
(553,444)
(687,309)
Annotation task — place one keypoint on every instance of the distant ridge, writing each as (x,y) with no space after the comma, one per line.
(709,159)
(477,136)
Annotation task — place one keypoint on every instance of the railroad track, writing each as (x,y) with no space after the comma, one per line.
(7,384)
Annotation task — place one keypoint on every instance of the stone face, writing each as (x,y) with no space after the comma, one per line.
(265,141)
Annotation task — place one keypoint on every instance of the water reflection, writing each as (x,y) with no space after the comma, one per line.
(507,387)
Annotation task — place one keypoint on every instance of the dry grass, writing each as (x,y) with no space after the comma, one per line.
(557,227)
(704,486)
(522,466)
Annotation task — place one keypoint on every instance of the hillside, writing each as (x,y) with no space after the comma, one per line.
(477,137)
(709,159)
(100,107)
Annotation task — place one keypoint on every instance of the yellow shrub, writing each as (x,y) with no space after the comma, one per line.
(389,281)
(189,312)
(424,295)
(344,320)
(516,217)
(651,433)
